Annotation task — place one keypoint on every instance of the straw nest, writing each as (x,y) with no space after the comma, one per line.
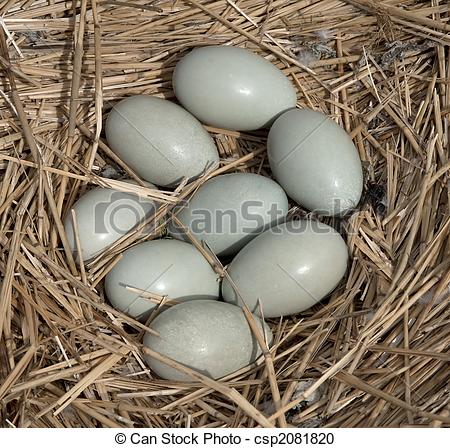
(374,354)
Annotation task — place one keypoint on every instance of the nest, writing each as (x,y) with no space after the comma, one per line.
(375,353)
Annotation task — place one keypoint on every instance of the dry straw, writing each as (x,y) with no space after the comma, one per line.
(375,354)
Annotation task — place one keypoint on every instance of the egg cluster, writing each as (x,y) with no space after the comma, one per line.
(278,266)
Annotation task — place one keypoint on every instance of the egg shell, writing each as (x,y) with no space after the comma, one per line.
(315,161)
(160,140)
(213,338)
(231,87)
(230,210)
(290,268)
(164,267)
(103,216)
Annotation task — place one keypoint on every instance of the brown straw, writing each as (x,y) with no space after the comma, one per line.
(373,354)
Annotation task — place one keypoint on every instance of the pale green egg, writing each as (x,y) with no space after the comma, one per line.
(232,88)
(289,268)
(169,268)
(213,338)
(160,140)
(230,210)
(103,216)
(315,161)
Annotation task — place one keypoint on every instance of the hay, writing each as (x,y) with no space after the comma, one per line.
(375,354)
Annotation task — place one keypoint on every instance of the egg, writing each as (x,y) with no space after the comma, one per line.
(163,267)
(213,338)
(315,161)
(103,216)
(228,211)
(289,268)
(233,88)
(160,140)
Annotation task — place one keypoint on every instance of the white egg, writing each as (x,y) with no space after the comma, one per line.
(230,210)
(163,267)
(213,338)
(103,216)
(289,268)
(232,88)
(315,161)
(160,140)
